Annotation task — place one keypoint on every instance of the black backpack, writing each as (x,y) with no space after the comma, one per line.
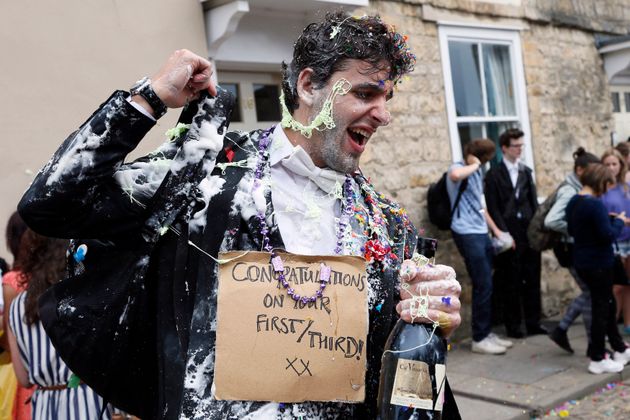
(439,203)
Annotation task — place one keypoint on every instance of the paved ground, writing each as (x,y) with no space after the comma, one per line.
(533,378)
(610,402)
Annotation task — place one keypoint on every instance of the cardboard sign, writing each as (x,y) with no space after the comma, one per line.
(271,348)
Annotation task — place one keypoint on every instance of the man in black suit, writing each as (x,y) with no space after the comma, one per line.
(511,200)
(296,186)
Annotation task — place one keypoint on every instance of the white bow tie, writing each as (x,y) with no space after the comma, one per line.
(300,163)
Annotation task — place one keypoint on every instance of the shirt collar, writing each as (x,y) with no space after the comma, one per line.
(296,160)
(511,166)
(281,147)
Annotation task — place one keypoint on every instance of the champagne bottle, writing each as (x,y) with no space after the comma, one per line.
(413,369)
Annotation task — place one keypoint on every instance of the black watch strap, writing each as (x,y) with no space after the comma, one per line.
(143,88)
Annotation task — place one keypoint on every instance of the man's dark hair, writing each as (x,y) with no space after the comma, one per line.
(508,135)
(483,149)
(326,46)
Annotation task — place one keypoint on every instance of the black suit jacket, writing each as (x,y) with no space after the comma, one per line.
(509,212)
(83,199)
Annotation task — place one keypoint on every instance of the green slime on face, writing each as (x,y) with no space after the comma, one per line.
(323,120)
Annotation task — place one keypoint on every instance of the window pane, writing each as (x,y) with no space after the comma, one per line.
(615,101)
(468,132)
(236,112)
(493,130)
(267,98)
(466,78)
(498,79)
(626,99)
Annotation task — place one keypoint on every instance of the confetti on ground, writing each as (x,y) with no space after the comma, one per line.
(611,401)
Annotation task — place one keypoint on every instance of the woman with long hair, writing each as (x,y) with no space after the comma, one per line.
(58,393)
(617,200)
(594,231)
(12,284)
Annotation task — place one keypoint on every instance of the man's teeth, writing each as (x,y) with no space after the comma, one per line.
(362,135)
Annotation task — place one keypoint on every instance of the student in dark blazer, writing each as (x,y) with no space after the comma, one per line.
(511,200)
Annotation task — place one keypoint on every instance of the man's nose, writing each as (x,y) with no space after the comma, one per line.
(380,113)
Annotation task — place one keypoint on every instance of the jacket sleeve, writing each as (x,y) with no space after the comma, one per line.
(608,228)
(533,194)
(556,218)
(76,194)
(493,199)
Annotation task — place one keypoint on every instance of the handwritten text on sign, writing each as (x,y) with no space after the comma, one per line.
(271,348)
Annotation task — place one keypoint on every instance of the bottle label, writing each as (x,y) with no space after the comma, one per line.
(412,385)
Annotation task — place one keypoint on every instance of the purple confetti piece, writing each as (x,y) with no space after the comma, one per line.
(278,266)
(324,272)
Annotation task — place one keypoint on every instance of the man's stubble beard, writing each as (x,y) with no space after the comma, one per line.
(331,143)
(333,155)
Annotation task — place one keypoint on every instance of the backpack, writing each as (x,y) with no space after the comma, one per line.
(540,238)
(439,203)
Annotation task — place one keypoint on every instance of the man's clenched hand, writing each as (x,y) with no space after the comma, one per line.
(182,77)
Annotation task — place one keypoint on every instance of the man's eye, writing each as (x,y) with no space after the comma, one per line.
(362,95)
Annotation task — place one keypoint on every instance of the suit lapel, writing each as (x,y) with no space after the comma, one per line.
(505,179)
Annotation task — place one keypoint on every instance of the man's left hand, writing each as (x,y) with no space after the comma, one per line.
(438,282)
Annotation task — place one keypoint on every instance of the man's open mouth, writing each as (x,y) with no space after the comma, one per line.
(359,136)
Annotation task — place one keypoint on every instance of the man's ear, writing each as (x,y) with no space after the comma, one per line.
(305,87)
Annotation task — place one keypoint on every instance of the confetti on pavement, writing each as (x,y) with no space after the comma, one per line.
(611,401)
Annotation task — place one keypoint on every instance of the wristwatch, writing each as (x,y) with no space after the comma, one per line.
(143,88)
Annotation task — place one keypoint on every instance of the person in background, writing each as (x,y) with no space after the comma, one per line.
(512,201)
(57,395)
(617,201)
(556,221)
(594,232)
(8,382)
(4,267)
(624,149)
(14,231)
(470,231)
(12,284)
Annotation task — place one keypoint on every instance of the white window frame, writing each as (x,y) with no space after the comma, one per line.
(481,33)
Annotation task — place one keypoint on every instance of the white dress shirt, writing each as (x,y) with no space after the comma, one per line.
(303,197)
(513,171)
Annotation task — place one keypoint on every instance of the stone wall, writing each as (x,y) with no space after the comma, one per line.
(568,97)
(607,16)
(569,106)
